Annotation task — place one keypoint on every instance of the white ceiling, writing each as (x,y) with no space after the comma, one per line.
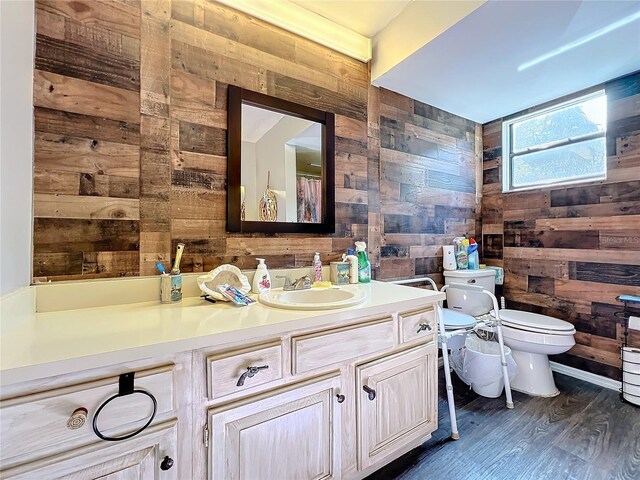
(309,137)
(478,68)
(257,121)
(367,17)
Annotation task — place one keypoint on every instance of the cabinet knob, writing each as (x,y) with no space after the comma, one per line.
(251,371)
(371,393)
(340,398)
(167,463)
(423,326)
(77,418)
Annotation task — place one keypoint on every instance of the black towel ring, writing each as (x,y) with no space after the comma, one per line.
(126,388)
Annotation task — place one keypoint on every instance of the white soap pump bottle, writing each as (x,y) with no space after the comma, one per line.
(261,279)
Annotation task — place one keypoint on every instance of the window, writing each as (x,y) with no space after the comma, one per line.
(558,145)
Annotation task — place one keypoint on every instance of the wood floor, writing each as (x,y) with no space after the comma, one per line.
(584,433)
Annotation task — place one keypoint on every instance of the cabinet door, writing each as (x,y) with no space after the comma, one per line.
(290,434)
(137,459)
(396,402)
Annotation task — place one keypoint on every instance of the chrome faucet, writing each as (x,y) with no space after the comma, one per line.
(302,283)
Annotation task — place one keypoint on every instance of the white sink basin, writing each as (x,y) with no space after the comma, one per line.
(314,298)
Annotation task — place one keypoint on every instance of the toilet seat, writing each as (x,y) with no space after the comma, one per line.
(457,320)
(536,323)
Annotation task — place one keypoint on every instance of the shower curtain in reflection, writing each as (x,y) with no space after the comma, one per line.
(309,200)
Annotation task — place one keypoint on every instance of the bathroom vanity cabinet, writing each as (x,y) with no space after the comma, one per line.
(335,398)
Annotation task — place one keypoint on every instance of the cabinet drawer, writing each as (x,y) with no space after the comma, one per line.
(138,458)
(224,370)
(418,324)
(38,421)
(329,347)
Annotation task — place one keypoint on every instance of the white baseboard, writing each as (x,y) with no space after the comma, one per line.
(586,376)
(579,374)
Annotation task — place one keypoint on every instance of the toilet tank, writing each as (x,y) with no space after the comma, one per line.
(472,303)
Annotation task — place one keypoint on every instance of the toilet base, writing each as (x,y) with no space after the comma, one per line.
(534,375)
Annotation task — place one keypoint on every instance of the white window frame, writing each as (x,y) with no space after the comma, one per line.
(508,154)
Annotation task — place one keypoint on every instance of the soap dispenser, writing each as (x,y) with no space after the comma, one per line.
(353,265)
(261,279)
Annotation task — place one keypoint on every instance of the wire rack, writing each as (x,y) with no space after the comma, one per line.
(630,356)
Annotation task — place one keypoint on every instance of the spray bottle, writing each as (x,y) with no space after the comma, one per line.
(364,266)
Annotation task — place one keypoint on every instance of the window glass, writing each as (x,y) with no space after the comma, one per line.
(561,144)
(569,162)
(568,122)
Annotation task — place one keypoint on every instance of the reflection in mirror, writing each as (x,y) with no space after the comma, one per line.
(281,173)
(281,165)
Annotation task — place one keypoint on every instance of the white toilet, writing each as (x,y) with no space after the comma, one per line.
(531,337)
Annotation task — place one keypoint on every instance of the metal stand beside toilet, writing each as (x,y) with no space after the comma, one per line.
(493,323)
(444,336)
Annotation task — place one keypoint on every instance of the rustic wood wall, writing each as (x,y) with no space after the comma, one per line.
(429,161)
(87,139)
(569,251)
(130,150)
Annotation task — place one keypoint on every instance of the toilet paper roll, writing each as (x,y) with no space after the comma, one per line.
(634,323)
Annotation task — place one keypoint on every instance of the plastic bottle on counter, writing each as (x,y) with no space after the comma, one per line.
(353,265)
(364,266)
(261,279)
(317,268)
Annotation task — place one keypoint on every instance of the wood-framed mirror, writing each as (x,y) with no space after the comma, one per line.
(281,165)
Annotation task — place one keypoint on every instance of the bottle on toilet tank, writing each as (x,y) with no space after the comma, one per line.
(448,257)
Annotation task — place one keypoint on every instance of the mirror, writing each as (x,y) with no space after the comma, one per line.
(280,166)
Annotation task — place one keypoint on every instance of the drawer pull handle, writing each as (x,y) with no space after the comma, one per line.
(167,463)
(77,418)
(250,373)
(423,326)
(340,398)
(126,387)
(371,393)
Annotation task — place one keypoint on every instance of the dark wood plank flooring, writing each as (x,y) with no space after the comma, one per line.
(583,433)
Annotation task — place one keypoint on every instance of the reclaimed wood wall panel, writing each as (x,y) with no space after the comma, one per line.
(130,151)
(428,188)
(155,135)
(87,139)
(131,115)
(569,251)
(213,46)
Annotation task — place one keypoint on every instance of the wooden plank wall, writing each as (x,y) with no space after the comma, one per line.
(87,139)
(429,161)
(130,150)
(569,251)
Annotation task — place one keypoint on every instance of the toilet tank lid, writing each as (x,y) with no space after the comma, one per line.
(483,272)
(535,320)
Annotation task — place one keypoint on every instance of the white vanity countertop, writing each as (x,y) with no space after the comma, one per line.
(38,345)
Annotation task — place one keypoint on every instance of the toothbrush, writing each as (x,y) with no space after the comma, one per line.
(160,268)
(176,265)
